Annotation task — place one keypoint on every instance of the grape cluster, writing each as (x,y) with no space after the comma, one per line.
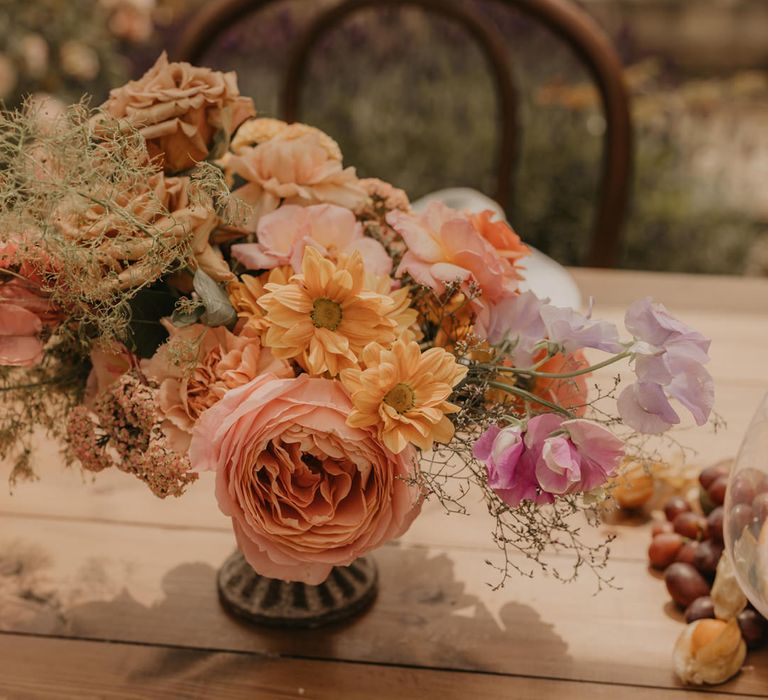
(687,547)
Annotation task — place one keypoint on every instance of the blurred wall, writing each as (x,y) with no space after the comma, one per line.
(696,35)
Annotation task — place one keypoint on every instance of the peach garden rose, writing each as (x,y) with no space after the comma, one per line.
(305,491)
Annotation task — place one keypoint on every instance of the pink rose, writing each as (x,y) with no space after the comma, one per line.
(296,166)
(180,109)
(188,387)
(550,457)
(445,245)
(25,309)
(305,491)
(20,344)
(332,230)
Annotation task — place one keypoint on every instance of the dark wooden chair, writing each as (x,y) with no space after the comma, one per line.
(563,18)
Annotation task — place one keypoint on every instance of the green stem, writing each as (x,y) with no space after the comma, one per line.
(528,396)
(565,375)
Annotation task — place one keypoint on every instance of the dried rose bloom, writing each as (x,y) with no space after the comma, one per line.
(181,110)
(143,231)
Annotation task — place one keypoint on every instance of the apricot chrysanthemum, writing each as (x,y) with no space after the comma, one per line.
(325,316)
(404,392)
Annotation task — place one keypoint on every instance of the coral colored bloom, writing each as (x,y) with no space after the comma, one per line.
(669,363)
(179,109)
(297,165)
(325,317)
(500,235)
(403,393)
(569,393)
(445,245)
(196,367)
(550,457)
(285,233)
(305,490)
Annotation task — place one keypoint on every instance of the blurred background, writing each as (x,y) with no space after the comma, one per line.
(410,98)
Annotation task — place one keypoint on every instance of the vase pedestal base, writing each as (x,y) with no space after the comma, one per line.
(275,603)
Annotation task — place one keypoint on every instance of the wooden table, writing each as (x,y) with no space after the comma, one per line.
(108,592)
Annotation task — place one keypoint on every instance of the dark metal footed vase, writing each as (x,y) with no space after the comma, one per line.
(275,603)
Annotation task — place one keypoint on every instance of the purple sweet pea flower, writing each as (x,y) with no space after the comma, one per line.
(551,457)
(528,320)
(669,358)
(518,318)
(574,331)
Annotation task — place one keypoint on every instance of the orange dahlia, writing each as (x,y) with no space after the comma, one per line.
(324,317)
(404,393)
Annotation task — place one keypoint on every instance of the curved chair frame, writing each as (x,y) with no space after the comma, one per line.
(564,19)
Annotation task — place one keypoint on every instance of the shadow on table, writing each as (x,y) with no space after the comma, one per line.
(423,616)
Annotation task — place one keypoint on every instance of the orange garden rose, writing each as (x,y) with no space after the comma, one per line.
(180,109)
(305,491)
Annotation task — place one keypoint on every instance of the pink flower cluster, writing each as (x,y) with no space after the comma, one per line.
(548,457)
(286,232)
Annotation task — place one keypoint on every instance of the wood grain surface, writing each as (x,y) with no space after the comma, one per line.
(107,592)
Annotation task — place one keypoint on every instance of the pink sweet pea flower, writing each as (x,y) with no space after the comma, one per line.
(285,233)
(669,363)
(550,457)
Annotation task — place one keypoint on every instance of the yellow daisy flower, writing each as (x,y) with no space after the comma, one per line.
(324,317)
(404,392)
(402,313)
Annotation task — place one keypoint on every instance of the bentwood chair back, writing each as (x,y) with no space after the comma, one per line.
(563,18)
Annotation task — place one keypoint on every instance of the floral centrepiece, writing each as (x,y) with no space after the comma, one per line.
(193,289)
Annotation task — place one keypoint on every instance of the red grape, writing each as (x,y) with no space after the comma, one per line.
(760,507)
(699,609)
(675,506)
(661,526)
(663,549)
(707,557)
(741,516)
(715,524)
(753,627)
(690,525)
(685,584)
(709,474)
(687,552)
(716,490)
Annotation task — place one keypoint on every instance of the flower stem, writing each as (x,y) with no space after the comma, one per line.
(565,375)
(528,396)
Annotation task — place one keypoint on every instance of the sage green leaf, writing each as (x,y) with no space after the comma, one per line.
(218,310)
